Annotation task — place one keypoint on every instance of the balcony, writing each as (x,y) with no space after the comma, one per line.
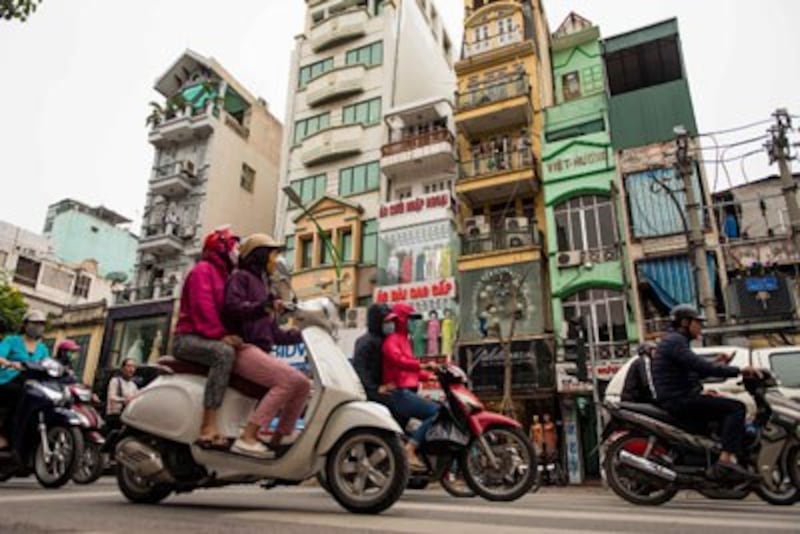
(158,290)
(161,240)
(338,29)
(332,143)
(184,124)
(494,107)
(335,84)
(498,177)
(492,43)
(175,179)
(487,240)
(424,155)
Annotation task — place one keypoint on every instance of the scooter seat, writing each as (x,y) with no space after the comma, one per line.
(240,384)
(650,410)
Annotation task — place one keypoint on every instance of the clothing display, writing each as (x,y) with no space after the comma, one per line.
(420,267)
(445,267)
(406,268)
(448,336)
(393,270)
(434,329)
(418,331)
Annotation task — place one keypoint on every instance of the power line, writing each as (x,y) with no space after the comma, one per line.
(736,129)
(732,145)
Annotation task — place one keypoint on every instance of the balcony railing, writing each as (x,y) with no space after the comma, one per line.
(500,239)
(156,291)
(497,163)
(417,141)
(611,350)
(161,230)
(493,93)
(493,42)
(183,168)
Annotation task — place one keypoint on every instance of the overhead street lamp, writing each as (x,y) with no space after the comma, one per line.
(292,195)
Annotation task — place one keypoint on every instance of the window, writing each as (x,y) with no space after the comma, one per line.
(27,272)
(585,223)
(325,254)
(143,340)
(592,80)
(309,72)
(82,286)
(369,55)
(786,366)
(644,65)
(367,113)
(602,313)
(310,126)
(306,252)
(369,241)
(403,193)
(379,6)
(248,178)
(79,364)
(346,245)
(359,179)
(571,86)
(654,198)
(586,128)
(318,16)
(290,251)
(311,188)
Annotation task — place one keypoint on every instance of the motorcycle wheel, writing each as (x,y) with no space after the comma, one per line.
(787,493)
(516,473)
(793,459)
(90,466)
(631,484)
(66,447)
(453,483)
(138,490)
(367,470)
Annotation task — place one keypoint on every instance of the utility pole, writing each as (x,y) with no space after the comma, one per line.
(779,150)
(697,241)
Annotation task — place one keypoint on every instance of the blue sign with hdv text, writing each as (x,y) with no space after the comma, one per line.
(762,283)
(294,355)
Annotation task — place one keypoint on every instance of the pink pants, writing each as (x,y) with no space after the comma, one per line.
(288,387)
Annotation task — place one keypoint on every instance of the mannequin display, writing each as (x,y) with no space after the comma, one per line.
(448,333)
(155,350)
(418,329)
(406,268)
(136,350)
(445,266)
(434,329)
(550,437)
(537,435)
(430,270)
(420,267)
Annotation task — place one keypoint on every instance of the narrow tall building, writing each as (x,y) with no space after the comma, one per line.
(504,84)
(649,97)
(216,159)
(355,62)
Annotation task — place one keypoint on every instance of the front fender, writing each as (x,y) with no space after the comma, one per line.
(358,414)
(480,421)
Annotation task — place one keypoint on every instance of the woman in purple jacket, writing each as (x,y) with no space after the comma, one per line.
(250,313)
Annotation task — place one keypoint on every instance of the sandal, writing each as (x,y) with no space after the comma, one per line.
(215,443)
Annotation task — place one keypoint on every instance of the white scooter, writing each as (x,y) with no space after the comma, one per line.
(356,443)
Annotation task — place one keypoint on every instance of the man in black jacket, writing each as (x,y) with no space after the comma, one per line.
(677,375)
(368,354)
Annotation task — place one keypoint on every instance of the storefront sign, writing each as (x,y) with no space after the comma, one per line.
(577,163)
(443,289)
(567,380)
(531,367)
(416,205)
(294,355)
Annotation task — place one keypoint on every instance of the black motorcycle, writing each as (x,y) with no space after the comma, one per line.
(46,436)
(650,456)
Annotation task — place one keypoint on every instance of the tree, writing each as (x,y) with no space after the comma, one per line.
(12,307)
(18,9)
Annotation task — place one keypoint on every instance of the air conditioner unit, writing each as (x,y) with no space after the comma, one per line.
(514,224)
(518,239)
(355,318)
(595,256)
(478,220)
(477,231)
(188,167)
(572,258)
(187,232)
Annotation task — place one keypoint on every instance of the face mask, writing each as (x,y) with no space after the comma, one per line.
(34,330)
(388,328)
(233,255)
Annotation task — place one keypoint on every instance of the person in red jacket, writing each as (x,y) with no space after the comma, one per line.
(402,373)
(200,335)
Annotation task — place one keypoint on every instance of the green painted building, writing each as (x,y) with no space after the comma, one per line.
(586,255)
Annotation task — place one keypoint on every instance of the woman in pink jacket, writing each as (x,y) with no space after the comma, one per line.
(200,335)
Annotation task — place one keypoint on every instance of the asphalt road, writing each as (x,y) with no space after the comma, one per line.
(100,508)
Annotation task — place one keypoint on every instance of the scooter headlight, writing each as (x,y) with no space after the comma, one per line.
(56,396)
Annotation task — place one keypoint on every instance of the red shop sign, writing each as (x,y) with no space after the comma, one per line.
(445,288)
(441,200)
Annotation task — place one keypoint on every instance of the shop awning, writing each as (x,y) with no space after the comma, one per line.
(672,279)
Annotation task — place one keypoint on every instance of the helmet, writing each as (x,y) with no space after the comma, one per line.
(67,345)
(683,312)
(220,241)
(255,241)
(35,316)
(402,311)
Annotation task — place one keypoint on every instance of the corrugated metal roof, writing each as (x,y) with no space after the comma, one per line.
(649,115)
(659,30)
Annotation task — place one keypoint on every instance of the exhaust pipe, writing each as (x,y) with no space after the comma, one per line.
(647,466)
(143,460)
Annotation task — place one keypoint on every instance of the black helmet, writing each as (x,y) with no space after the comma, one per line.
(683,312)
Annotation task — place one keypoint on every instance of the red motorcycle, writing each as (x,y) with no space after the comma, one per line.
(91,464)
(494,455)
